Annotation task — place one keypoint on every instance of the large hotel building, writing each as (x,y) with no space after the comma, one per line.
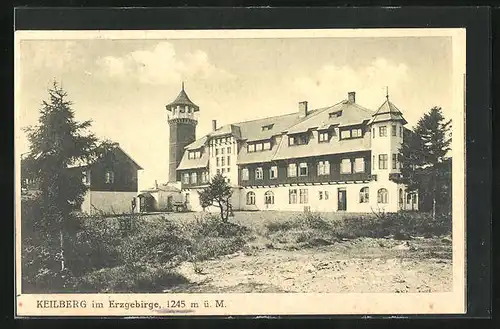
(342,157)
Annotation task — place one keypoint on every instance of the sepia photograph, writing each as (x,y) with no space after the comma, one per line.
(240,172)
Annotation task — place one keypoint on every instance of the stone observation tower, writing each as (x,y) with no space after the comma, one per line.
(182,116)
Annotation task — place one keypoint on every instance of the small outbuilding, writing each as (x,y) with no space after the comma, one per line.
(163,197)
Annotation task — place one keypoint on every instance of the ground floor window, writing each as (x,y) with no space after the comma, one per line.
(323,195)
(250,198)
(382,195)
(364,195)
(292,196)
(269,197)
(303,197)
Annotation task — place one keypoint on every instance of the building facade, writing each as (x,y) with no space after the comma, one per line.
(339,158)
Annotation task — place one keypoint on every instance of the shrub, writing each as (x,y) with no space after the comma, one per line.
(138,278)
(212,226)
(211,247)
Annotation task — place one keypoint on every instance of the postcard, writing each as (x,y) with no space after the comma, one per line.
(240,172)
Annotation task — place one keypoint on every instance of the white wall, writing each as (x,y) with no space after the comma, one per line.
(281,198)
(194,200)
(108,202)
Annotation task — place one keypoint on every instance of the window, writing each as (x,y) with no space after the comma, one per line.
(222,161)
(229,150)
(244,174)
(267,145)
(327,196)
(292,170)
(218,171)
(259,173)
(204,177)
(291,140)
(269,197)
(394,161)
(373,133)
(216,151)
(303,169)
(258,147)
(408,198)
(185,178)
(373,162)
(110,177)
(251,147)
(323,195)
(197,154)
(273,172)
(222,151)
(86,177)
(194,178)
(356,133)
(228,160)
(190,155)
(320,195)
(359,165)
(323,168)
(345,134)
(217,162)
(297,140)
(292,196)
(382,196)
(267,127)
(401,196)
(401,131)
(364,195)
(250,198)
(382,161)
(345,166)
(394,130)
(303,198)
(324,136)
(223,170)
(382,131)
(334,114)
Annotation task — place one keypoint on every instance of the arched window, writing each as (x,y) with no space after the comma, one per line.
(364,195)
(269,197)
(250,198)
(382,195)
(401,196)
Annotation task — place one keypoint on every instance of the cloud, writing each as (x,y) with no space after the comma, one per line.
(162,65)
(332,82)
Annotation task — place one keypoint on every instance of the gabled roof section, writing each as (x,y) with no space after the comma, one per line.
(230,129)
(187,163)
(387,112)
(115,148)
(183,99)
(200,142)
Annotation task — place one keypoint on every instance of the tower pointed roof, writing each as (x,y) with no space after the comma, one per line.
(183,99)
(387,112)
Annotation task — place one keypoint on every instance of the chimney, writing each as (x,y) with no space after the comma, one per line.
(303,108)
(156,183)
(214,125)
(351,97)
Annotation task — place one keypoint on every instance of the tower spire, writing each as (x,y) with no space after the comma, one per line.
(387,92)
(183,85)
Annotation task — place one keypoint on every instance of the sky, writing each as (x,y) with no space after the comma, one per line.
(124,85)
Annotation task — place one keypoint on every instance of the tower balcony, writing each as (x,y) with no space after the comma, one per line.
(171,115)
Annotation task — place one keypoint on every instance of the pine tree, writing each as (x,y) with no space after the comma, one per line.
(423,155)
(217,193)
(55,143)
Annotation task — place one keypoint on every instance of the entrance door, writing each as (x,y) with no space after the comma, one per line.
(169,203)
(342,200)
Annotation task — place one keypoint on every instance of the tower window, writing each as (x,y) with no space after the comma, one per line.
(394,130)
(382,131)
(382,161)
(228,160)
(394,161)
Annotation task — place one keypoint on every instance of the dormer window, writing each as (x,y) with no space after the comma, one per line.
(324,136)
(298,139)
(334,114)
(259,147)
(267,127)
(194,154)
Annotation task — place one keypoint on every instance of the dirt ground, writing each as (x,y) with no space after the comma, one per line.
(358,265)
